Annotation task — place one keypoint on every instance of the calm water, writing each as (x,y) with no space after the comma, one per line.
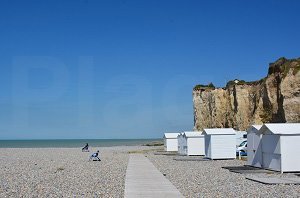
(73,143)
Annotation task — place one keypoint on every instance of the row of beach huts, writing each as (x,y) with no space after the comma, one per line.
(270,146)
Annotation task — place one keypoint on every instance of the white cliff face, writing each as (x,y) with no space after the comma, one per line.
(290,90)
(275,98)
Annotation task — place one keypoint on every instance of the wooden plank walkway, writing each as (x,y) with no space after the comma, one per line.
(144,180)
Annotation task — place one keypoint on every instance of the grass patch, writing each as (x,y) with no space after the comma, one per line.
(200,87)
(142,151)
(243,158)
(60,169)
(296,69)
(157,143)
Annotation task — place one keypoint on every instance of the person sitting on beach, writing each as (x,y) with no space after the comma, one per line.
(85,148)
(95,157)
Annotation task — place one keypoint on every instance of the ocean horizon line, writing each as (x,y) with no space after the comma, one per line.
(81,139)
(72,143)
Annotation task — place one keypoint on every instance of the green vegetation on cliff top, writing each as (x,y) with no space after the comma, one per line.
(282,65)
(209,86)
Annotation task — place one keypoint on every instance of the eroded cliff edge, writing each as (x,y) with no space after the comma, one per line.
(275,98)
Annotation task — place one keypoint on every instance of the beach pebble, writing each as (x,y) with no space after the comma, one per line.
(209,179)
(62,172)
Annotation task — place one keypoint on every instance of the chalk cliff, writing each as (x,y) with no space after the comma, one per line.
(275,98)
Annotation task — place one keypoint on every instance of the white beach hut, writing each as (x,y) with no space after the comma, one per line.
(194,143)
(220,143)
(180,143)
(171,142)
(279,146)
(254,153)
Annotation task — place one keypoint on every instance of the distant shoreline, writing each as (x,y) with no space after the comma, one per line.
(74,143)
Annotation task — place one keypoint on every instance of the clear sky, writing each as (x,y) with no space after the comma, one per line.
(126,69)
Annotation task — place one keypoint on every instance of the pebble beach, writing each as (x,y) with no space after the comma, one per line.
(209,179)
(62,172)
(66,172)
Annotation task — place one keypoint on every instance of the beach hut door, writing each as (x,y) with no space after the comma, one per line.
(254,150)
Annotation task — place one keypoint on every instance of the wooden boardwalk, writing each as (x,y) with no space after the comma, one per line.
(144,180)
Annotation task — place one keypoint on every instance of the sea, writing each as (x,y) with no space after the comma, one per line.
(72,143)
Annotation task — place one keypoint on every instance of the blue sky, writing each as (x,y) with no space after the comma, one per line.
(126,69)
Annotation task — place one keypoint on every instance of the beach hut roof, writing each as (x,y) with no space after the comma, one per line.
(219,131)
(281,128)
(171,135)
(180,134)
(193,134)
(255,127)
